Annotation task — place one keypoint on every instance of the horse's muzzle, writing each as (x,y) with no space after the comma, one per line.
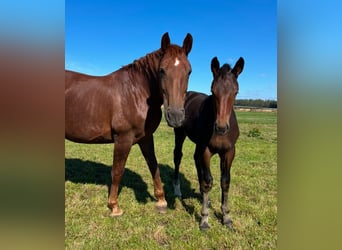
(221,130)
(174,117)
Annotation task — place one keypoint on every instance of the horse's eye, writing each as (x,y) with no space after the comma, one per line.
(161,72)
(189,73)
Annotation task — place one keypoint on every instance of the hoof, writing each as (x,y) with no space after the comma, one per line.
(161,210)
(161,206)
(229,224)
(230,227)
(116,212)
(204,226)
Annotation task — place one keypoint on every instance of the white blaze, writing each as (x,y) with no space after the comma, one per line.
(176,62)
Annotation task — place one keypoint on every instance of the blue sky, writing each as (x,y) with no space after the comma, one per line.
(101,36)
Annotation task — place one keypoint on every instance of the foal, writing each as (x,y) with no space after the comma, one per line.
(211,124)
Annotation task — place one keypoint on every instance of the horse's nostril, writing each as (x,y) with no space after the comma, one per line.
(175,117)
(167,113)
(221,130)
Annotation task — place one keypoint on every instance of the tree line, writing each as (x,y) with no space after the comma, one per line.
(259,103)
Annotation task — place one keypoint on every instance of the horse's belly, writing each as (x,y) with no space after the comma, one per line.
(82,129)
(87,136)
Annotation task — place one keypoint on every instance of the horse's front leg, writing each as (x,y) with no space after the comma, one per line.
(177,157)
(203,160)
(226,162)
(147,148)
(122,147)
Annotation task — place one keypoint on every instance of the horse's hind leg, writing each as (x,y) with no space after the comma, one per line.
(226,162)
(177,157)
(147,148)
(122,148)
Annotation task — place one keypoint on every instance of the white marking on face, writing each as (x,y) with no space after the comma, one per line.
(176,62)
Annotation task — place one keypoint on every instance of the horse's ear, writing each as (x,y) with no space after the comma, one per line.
(187,43)
(165,41)
(215,66)
(238,67)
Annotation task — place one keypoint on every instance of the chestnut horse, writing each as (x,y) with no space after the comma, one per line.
(124,108)
(211,124)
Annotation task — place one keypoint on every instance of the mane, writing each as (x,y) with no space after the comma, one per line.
(146,64)
(149,63)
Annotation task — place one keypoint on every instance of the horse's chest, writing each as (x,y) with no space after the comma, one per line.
(153,119)
(147,122)
(219,143)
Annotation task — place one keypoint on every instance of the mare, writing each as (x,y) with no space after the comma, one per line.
(211,124)
(124,108)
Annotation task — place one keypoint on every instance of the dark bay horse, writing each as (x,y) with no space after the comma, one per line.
(211,124)
(124,108)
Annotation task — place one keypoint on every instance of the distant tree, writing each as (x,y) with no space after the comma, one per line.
(273,104)
(258,103)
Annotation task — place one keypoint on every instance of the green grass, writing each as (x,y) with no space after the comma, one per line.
(252,195)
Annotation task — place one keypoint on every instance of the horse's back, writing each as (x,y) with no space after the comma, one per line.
(193,102)
(88,108)
(193,96)
(73,78)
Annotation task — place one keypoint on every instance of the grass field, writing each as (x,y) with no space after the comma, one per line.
(252,195)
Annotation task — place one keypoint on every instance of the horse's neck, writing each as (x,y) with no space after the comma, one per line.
(149,66)
(207,110)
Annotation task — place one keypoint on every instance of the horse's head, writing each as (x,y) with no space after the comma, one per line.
(224,89)
(174,72)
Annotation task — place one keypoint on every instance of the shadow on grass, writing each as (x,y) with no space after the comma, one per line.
(166,174)
(79,171)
